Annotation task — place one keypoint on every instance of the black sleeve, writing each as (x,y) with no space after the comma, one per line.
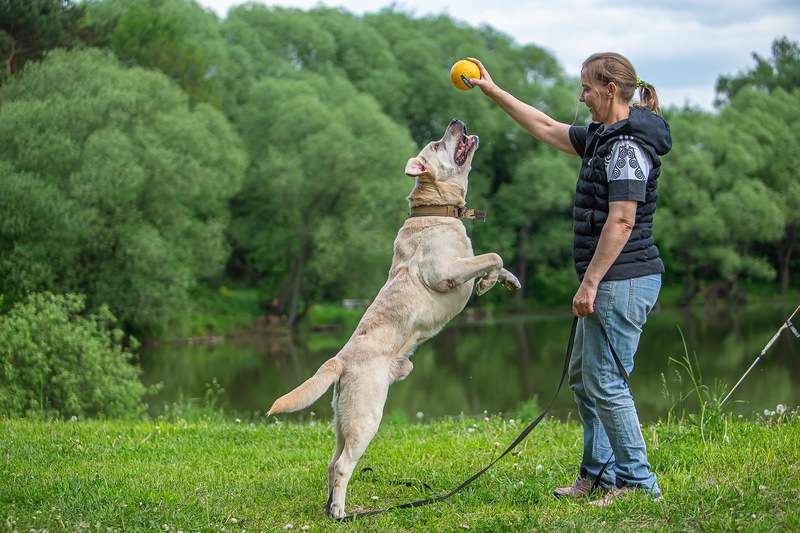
(577,136)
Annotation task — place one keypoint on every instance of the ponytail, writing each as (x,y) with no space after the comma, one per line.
(647,96)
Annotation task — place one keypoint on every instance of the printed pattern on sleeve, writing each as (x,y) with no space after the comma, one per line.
(627,168)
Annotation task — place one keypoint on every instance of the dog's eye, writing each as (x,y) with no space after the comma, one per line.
(437,145)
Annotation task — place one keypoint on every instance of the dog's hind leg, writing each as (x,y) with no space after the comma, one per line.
(336,453)
(358,427)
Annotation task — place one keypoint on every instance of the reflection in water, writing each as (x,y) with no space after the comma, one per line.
(495,365)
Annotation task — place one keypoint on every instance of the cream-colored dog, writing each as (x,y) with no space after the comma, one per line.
(431,278)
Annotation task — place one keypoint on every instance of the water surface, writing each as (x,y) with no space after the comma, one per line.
(494,365)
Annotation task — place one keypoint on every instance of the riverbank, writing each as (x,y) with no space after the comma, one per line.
(228,476)
(229,311)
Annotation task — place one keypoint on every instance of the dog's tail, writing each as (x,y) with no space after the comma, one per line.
(310,390)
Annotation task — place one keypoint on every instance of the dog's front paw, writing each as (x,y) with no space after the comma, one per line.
(510,281)
(484,284)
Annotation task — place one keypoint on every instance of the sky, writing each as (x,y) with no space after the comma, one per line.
(680,47)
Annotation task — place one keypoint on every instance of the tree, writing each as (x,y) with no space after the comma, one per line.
(781,71)
(29,28)
(112,186)
(324,193)
(176,37)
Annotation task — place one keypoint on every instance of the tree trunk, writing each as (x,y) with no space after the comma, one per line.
(785,257)
(689,284)
(522,260)
(298,282)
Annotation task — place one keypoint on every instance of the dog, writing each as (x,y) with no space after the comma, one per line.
(431,278)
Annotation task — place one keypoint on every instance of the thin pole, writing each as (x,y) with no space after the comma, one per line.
(786,324)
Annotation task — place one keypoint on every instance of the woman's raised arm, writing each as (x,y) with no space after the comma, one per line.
(534,121)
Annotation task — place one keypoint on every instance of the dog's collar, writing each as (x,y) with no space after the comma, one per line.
(447,211)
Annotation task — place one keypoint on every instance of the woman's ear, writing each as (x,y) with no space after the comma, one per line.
(612,89)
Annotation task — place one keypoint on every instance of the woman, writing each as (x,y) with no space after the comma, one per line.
(617,262)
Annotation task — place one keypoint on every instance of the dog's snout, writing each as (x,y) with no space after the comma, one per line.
(457,122)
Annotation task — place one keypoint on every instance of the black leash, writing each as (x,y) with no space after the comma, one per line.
(468,481)
(520,438)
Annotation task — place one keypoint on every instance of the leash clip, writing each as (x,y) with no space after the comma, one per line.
(792,328)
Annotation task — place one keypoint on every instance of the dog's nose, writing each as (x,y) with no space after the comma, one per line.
(457,121)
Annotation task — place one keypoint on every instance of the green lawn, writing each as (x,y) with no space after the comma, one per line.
(150,475)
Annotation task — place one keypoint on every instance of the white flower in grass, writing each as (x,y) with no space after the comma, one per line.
(420,414)
(539,469)
(374,497)
(305,528)
(780,408)
(288,526)
(73,418)
(238,421)
(762,487)
(767,412)
(464,526)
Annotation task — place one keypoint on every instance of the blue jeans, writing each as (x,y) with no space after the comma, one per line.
(605,404)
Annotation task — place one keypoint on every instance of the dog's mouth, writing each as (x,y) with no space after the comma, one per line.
(466,144)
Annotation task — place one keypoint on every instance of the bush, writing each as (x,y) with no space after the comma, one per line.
(54,361)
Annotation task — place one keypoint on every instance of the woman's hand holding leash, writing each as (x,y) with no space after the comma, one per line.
(583,302)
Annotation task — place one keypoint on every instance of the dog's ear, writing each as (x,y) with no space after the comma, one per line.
(415,167)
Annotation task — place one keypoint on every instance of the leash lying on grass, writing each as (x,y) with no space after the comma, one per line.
(520,438)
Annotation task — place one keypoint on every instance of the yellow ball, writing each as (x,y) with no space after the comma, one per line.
(461,72)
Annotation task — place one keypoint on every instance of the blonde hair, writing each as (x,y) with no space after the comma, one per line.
(605,67)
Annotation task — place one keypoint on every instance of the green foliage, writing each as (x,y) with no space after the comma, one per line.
(781,71)
(57,362)
(112,187)
(176,37)
(29,28)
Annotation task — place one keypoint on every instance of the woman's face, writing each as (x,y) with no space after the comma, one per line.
(596,98)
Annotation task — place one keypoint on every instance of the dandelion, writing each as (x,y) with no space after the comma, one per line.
(238,421)
(288,526)
(762,487)
(516,466)
(420,414)
(312,414)
(73,419)
(374,497)
(305,528)
(539,469)
(485,418)
(471,429)
(234,521)
(780,408)
(464,526)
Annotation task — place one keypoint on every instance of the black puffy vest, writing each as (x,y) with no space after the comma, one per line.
(640,255)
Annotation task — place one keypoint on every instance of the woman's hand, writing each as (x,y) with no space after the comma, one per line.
(486,83)
(583,302)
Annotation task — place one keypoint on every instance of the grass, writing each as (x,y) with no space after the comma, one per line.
(218,311)
(223,475)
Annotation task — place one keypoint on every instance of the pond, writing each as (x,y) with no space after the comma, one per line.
(496,364)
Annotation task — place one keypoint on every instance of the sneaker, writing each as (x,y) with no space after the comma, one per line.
(579,489)
(611,496)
